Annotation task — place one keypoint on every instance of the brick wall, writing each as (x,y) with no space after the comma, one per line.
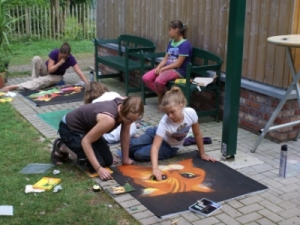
(203,100)
(255,111)
(255,108)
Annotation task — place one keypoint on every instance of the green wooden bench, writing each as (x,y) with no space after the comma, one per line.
(202,61)
(131,56)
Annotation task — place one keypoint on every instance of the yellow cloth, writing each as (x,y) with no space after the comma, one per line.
(180,81)
(3,100)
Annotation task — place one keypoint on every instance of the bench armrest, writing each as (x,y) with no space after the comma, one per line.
(154,57)
(197,69)
(139,52)
(204,68)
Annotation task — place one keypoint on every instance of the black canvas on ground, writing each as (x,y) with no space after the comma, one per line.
(55,95)
(187,179)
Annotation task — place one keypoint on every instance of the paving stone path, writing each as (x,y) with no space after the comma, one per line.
(277,205)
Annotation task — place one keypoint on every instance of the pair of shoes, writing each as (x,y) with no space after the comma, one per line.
(58,157)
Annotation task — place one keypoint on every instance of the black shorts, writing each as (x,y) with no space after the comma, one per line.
(73,140)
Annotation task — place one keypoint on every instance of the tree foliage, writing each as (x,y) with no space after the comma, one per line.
(45,2)
(79,1)
(29,2)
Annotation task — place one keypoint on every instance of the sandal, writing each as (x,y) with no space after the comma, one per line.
(58,157)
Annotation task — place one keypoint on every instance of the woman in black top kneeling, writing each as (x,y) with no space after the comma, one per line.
(82,131)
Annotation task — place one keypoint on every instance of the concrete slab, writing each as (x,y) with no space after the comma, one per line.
(241,159)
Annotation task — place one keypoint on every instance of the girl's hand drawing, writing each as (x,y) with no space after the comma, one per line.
(104,174)
(207,158)
(157,174)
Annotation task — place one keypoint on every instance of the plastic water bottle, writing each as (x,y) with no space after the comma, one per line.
(99,74)
(91,76)
(283,159)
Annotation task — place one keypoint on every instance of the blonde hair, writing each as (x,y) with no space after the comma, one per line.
(92,91)
(134,105)
(174,96)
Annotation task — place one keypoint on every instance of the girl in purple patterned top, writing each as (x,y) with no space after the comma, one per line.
(173,66)
(51,72)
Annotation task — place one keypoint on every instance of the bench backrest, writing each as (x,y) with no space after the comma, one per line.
(126,40)
(203,57)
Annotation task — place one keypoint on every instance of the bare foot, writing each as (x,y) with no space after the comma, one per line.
(5,89)
(10,88)
(160,97)
(116,160)
(128,161)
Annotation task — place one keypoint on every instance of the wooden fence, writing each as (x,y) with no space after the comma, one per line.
(62,23)
(207,21)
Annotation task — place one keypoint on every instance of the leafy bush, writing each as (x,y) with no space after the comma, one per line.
(29,2)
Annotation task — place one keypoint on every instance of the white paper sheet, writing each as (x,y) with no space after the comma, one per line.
(6,210)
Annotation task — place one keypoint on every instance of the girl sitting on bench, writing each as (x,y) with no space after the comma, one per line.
(173,65)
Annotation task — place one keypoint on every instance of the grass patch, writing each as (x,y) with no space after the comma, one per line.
(22,52)
(18,74)
(75,204)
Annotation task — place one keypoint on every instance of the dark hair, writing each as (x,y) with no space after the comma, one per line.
(174,96)
(134,105)
(181,27)
(65,48)
(93,90)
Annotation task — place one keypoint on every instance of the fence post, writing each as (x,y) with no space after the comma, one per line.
(50,22)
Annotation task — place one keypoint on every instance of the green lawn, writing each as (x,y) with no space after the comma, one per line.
(22,144)
(22,52)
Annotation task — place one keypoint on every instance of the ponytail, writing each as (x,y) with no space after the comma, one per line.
(181,27)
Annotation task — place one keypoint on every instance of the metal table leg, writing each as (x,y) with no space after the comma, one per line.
(293,85)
